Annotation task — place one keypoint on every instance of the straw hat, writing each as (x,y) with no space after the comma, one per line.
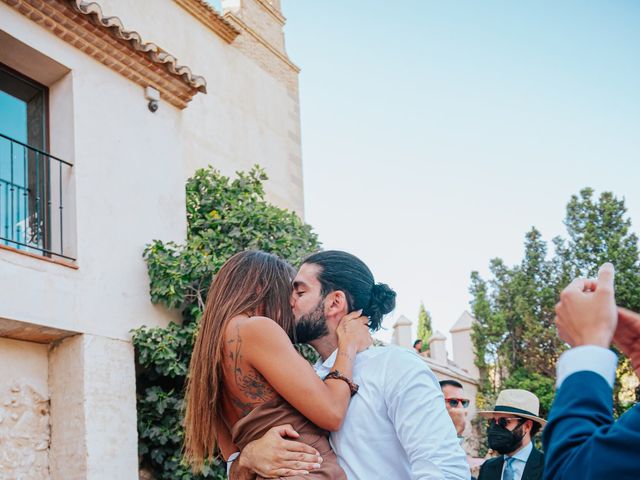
(521,403)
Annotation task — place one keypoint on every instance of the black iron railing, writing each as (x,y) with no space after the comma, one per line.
(32,197)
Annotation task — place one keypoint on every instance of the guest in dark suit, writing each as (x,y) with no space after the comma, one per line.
(582,440)
(512,424)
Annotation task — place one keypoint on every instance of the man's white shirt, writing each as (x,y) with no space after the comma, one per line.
(589,358)
(397,426)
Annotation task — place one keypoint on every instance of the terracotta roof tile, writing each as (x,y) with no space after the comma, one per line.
(153,51)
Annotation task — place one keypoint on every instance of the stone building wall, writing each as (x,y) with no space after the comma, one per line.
(24,411)
(262,17)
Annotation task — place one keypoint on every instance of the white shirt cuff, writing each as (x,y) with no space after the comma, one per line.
(589,358)
(230,461)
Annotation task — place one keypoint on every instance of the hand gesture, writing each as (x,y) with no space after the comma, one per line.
(586,313)
(459,418)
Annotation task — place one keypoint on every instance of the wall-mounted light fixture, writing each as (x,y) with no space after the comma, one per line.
(153,96)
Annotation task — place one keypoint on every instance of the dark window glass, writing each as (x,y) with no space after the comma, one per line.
(24,170)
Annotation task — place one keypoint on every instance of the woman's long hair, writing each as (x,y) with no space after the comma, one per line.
(250,283)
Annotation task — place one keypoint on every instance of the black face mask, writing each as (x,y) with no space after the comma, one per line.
(504,441)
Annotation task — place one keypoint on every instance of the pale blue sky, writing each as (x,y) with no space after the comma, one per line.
(436,133)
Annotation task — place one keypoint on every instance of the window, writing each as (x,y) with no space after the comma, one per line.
(30,178)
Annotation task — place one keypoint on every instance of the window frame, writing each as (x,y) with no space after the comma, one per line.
(45,248)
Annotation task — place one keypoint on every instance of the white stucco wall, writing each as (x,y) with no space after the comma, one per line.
(248,116)
(127,189)
(464,352)
(130,164)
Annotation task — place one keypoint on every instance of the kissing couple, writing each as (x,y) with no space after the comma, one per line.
(362,412)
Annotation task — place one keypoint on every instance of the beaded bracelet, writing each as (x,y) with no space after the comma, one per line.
(338,376)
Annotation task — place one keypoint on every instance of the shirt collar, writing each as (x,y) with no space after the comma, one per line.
(523,455)
(324,367)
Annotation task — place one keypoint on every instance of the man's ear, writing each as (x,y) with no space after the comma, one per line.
(529,425)
(336,305)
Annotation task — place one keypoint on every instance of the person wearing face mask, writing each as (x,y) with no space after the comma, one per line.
(513,422)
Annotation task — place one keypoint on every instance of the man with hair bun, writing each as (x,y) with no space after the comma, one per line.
(396,426)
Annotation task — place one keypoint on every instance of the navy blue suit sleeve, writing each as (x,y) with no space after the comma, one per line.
(583,441)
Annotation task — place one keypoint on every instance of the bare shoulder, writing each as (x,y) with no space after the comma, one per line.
(246,324)
(260,329)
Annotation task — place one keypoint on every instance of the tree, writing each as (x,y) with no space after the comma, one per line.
(599,231)
(425,329)
(515,313)
(224,217)
(515,308)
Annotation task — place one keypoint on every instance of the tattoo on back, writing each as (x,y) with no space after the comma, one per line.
(249,381)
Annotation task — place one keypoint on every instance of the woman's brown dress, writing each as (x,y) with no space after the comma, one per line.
(278,412)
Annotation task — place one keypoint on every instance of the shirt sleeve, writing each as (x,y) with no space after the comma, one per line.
(416,408)
(590,358)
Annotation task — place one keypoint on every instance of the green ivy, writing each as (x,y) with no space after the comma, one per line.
(224,216)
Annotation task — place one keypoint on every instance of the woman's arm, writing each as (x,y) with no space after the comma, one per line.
(267,348)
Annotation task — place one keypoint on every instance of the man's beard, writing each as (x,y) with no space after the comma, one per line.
(312,325)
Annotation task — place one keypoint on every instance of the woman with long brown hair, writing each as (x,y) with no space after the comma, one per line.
(245,375)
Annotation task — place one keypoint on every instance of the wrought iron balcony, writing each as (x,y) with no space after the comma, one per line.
(32,196)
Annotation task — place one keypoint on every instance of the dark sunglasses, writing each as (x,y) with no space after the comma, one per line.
(504,421)
(454,402)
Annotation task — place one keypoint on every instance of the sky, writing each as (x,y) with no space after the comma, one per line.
(435,134)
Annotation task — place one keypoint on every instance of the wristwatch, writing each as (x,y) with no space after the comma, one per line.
(338,376)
